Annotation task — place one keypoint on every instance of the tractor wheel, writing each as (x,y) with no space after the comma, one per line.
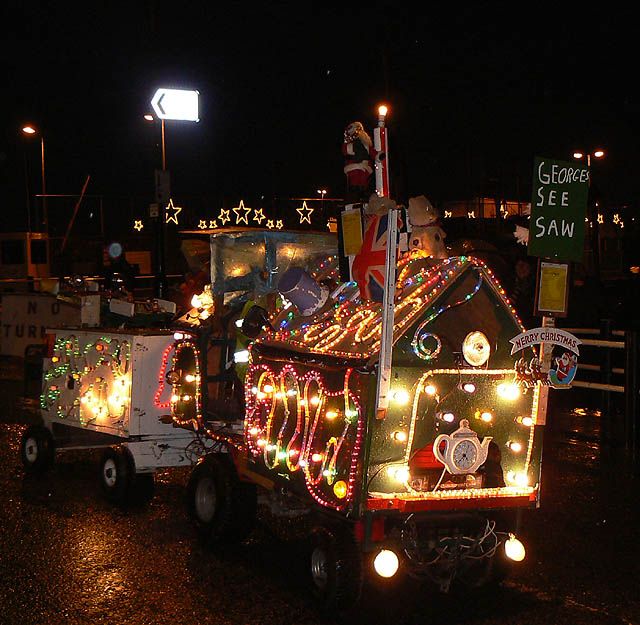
(223,507)
(336,569)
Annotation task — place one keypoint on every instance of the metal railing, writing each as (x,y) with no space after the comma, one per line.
(611,356)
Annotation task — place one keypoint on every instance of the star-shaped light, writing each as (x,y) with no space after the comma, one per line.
(600,218)
(213,223)
(305,213)
(616,218)
(270,224)
(241,208)
(173,209)
(138,225)
(279,224)
(224,215)
(258,215)
(202,224)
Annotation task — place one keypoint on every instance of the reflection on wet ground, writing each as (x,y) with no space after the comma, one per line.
(67,556)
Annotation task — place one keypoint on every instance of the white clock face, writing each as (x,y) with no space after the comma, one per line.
(464,455)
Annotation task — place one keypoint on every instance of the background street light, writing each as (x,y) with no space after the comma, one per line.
(592,211)
(29,131)
(596,154)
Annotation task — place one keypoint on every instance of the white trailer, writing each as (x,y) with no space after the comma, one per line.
(107,388)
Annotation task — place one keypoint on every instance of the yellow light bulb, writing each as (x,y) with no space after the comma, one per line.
(340,489)
(400,396)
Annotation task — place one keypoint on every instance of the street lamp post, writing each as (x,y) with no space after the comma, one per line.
(31,130)
(322,193)
(593,223)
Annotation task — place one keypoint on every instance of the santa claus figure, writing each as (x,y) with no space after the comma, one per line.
(359,155)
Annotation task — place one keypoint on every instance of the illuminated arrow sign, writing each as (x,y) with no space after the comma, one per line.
(178,104)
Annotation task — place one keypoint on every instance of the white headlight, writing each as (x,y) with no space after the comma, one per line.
(386,563)
(476,349)
(514,549)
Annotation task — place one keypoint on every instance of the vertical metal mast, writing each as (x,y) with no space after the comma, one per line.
(386,341)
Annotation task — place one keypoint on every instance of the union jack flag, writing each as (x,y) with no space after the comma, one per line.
(368,264)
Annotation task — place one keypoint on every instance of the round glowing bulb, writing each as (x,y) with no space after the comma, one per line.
(401,474)
(189,377)
(261,442)
(383,110)
(400,396)
(253,431)
(29,130)
(487,417)
(430,389)
(515,446)
(508,391)
(527,421)
(449,417)
(469,387)
(386,563)
(186,397)
(578,155)
(400,436)
(514,549)
(331,414)
(476,349)
(340,489)
(316,457)
(315,400)
(267,388)
(174,398)
(598,153)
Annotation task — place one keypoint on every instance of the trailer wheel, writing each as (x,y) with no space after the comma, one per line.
(116,475)
(336,569)
(37,449)
(223,507)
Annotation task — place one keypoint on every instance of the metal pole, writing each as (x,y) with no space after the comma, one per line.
(164,153)
(45,216)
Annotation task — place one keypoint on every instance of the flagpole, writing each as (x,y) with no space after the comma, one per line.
(386,340)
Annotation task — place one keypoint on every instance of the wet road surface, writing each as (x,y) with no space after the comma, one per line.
(67,556)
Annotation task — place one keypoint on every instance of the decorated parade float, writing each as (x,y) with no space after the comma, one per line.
(362,380)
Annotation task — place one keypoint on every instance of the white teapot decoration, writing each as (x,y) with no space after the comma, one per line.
(463,452)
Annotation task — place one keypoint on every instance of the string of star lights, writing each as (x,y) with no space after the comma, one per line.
(90,383)
(296,423)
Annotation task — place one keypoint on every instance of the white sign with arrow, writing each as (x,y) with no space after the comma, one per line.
(177,104)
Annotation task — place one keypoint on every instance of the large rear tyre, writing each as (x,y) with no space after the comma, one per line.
(37,449)
(223,507)
(336,569)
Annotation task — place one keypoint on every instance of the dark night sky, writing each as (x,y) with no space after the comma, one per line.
(475,94)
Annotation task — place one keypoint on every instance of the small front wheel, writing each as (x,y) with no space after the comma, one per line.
(335,565)
(222,506)
(37,449)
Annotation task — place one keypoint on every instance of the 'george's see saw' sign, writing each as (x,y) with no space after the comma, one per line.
(558,209)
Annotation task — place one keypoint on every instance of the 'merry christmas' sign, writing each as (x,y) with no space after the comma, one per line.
(558,209)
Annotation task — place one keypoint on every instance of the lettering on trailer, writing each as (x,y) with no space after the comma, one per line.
(25,319)
(558,210)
